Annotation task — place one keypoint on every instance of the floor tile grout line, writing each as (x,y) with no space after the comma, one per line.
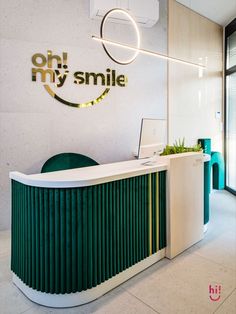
(203,257)
(141,301)
(210,260)
(224,300)
(27,310)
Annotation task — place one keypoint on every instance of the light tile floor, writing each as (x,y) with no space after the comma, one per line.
(176,286)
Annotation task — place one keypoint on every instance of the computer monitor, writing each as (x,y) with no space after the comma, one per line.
(153,135)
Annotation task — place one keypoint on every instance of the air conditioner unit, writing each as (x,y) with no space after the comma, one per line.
(145,13)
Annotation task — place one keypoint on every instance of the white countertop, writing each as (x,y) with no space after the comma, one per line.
(88,176)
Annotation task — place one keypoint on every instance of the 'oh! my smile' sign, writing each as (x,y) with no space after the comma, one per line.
(54,69)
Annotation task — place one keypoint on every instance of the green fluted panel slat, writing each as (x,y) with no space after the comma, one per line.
(46,244)
(13,220)
(62,211)
(90,238)
(18,234)
(153,212)
(79,235)
(99,260)
(133,242)
(131,209)
(41,240)
(135,237)
(142,218)
(128,222)
(33,246)
(94,233)
(137,231)
(37,230)
(140,222)
(25,232)
(57,240)
(149,221)
(117,216)
(162,209)
(145,213)
(72,239)
(103,271)
(51,241)
(107,237)
(121,227)
(114,227)
(124,234)
(110,222)
(85,239)
(29,273)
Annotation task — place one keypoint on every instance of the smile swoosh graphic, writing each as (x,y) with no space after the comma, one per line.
(77,105)
(216,299)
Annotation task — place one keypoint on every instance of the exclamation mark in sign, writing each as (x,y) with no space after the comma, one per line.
(64,56)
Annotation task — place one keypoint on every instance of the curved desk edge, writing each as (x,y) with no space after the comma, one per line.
(89,176)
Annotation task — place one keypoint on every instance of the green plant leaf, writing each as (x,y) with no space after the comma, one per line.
(179,147)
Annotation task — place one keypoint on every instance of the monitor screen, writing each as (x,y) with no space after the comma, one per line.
(153,137)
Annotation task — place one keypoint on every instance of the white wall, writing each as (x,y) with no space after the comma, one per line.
(33,125)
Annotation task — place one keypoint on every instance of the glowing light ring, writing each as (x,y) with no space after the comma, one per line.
(137,33)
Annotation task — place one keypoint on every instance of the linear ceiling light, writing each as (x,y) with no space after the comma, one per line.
(147,52)
(136,49)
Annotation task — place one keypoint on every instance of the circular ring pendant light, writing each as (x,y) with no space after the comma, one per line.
(106,16)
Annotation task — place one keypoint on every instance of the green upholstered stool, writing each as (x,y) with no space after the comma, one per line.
(66,161)
(218,167)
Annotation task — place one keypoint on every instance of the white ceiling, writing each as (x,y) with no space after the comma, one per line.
(219,11)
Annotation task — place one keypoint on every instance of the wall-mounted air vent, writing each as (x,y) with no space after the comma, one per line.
(145,13)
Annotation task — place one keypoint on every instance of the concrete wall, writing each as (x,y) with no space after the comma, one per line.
(34,126)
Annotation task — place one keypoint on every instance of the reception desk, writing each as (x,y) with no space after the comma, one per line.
(77,234)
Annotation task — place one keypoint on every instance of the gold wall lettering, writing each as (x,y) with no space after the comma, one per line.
(54,69)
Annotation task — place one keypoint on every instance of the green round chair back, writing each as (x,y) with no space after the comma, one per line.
(66,161)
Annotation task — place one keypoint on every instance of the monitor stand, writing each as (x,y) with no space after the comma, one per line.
(152,160)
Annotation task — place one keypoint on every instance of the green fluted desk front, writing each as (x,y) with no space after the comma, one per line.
(78,233)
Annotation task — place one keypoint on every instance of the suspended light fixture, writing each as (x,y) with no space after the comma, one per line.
(136,49)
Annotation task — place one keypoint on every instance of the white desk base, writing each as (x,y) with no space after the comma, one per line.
(79,298)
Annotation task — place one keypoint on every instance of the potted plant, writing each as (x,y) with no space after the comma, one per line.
(179,147)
